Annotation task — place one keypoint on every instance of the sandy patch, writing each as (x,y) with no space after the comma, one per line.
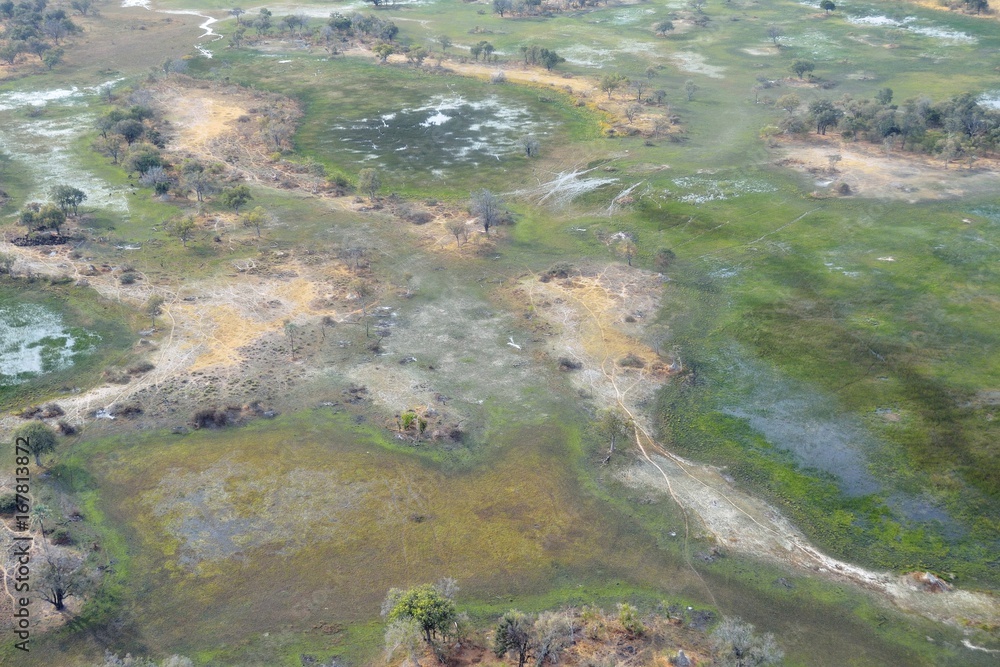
(871,173)
(695,63)
(588,314)
(199,116)
(766,51)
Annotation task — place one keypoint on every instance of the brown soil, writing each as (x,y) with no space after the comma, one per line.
(870,172)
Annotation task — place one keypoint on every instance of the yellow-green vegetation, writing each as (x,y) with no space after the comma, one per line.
(832,350)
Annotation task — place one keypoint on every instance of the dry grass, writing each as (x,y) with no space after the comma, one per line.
(870,172)
(199,116)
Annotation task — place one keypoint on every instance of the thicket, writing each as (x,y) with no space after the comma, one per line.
(955,128)
(32,29)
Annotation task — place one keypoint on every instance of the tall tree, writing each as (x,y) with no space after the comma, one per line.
(236,197)
(369,182)
(37,438)
(67,197)
(609,83)
(489,208)
(801,67)
(513,636)
(183,229)
(426,605)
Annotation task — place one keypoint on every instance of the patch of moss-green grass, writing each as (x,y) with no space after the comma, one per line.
(86,316)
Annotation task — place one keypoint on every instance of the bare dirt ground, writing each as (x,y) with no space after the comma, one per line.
(588,318)
(870,172)
(209,328)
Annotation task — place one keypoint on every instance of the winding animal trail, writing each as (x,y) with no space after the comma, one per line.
(735,519)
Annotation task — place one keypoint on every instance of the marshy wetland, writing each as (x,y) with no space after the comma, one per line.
(290,370)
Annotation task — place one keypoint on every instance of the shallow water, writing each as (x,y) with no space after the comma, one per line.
(34,340)
(800,421)
(448,130)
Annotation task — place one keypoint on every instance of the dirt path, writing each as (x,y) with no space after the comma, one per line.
(589,314)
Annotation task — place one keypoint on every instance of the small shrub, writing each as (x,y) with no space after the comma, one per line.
(631,360)
(561,270)
(419,217)
(8,503)
(664,258)
(567,364)
(141,367)
(51,410)
(210,418)
(127,410)
(128,278)
(628,616)
(66,428)
(61,537)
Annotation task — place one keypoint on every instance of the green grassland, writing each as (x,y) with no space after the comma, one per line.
(103,324)
(320,517)
(254,545)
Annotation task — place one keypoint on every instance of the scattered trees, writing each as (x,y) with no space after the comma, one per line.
(38,217)
(67,197)
(530,145)
(638,85)
(194,176)
(690,87)
(631,111)
(824,114)
(550,59)
(789,102)
(775,33)
(663,27)
(153,308)
(513,636)
(63,575)
(614,426)
(254,219)
(156,178)
(458,230)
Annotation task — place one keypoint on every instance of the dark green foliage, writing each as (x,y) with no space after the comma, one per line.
(426,605)
(513,636)
(236,197)
(40,439)
(67,197)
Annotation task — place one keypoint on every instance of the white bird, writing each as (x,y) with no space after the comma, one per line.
(510,341)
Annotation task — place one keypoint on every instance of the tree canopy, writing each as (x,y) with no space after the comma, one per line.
(426,605)
(40,439)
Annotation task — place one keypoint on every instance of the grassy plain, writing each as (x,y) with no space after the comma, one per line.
(867,324)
